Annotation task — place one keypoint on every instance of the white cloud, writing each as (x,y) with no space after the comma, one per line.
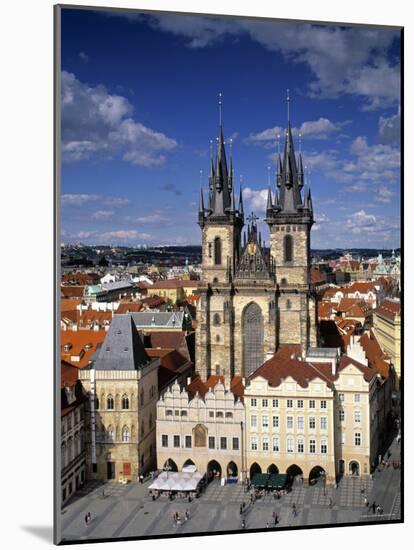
(312,129)
(107,237)
(81,199)
(84,57)
(384,195)
(102,214)
(389,129)
(361,222)
(257,199)
(342,60)
(97,122)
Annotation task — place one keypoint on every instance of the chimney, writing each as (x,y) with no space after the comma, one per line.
(333,367)
(188,380)
(244,382)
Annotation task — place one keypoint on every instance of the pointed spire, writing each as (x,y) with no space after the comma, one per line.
(220,102)
(288,105)
(300,172)
(269,199)
(279,171)
(241,209)
(201,202)
(231,166)
(233,202)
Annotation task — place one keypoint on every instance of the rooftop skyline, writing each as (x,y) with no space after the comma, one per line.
(139,111)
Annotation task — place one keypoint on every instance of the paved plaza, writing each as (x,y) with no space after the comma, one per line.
(128,510)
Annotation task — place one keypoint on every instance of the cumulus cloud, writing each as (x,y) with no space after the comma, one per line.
(383,194)
(361,221)
(81,199)
(102,214)
(95,121)
(117,236)
(341,60)
(389,129)
(257,199)
(312,129)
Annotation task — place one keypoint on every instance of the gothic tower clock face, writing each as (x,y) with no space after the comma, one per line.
(251,249)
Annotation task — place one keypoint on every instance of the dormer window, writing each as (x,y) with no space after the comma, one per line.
(67,347)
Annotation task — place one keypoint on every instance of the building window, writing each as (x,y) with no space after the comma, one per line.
(211,442)
(300,422)
(183,413)
(341,415)
(223,443)
(341,397)
(301,446)
(235,441)
(265,421)
(254,443)
(253,421)
(211,414)
(275,421)
(168,412)
(312,423)
(125,434)
(110,433)
(265,444)
(324,447)
(110,402)
(253,402)
(275,403)
(265,403)
(188,441)
(288,304)
(323,404)
(216,320)
(209,250)
(229,415)
(311,403)
(176,441)
(217,251)
(324,423)
(125,402)
(289,422)
(289,445)
(217,338)
(357,417)
(300,403)
(219,414)
(357,439)
(164,440)
(275,444)
(289,403)
(312,446)
(177,412)
(357,398)
(288,248)
(96,403)
(342,438)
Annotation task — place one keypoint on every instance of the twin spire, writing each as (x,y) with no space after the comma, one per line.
(289,178)
(221,195)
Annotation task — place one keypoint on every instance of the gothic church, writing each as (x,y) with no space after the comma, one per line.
(254,299)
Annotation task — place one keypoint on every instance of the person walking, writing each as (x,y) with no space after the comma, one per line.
(366,501)
(187,515)
(86,519)
(276,519)
(330,503)
(373,506)
(241,509)
(243,524)
(294,509)
(267,525)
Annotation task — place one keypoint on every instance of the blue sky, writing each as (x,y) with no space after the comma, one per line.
(139,107)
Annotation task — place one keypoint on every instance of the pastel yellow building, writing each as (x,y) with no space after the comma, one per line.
(387,325)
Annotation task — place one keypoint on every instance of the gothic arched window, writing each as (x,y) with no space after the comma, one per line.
(217,251)
(253,337)
(288,248)
(125,434)
(125,402)
(288,304)
(110,402)
(216,320)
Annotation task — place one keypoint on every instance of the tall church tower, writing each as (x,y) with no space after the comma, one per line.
(252,298)
(221,224)
(290,218)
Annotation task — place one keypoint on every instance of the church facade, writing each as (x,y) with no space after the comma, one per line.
(254,299)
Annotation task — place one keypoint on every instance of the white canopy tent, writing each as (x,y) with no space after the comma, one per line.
(176,481)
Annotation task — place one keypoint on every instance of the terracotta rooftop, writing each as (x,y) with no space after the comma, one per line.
(80,343)
(389,309)
(376,357)
(128,307)
(168,340)
(174,283)
(198,385)
(67,304)
(362,287)
(71,291)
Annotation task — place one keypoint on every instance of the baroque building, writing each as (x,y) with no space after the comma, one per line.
(254,299)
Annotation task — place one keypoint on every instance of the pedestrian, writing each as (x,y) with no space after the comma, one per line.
(244,506)
(241,509)
(366,501)
(141,478)
(274,515)
(103,492)
(373,506)
(398,438)
(86,519)
(89,517)
(378,509)
(243,524)
(267,525)
(187,515)
(276,519)
(330,503)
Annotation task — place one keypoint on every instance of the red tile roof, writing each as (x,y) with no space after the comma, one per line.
(67,304)
(361,287)
(376,357)
(174,283)
(127,307)
(389,309)
(72,291)
(198,385)
(169,340)
(79,342)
